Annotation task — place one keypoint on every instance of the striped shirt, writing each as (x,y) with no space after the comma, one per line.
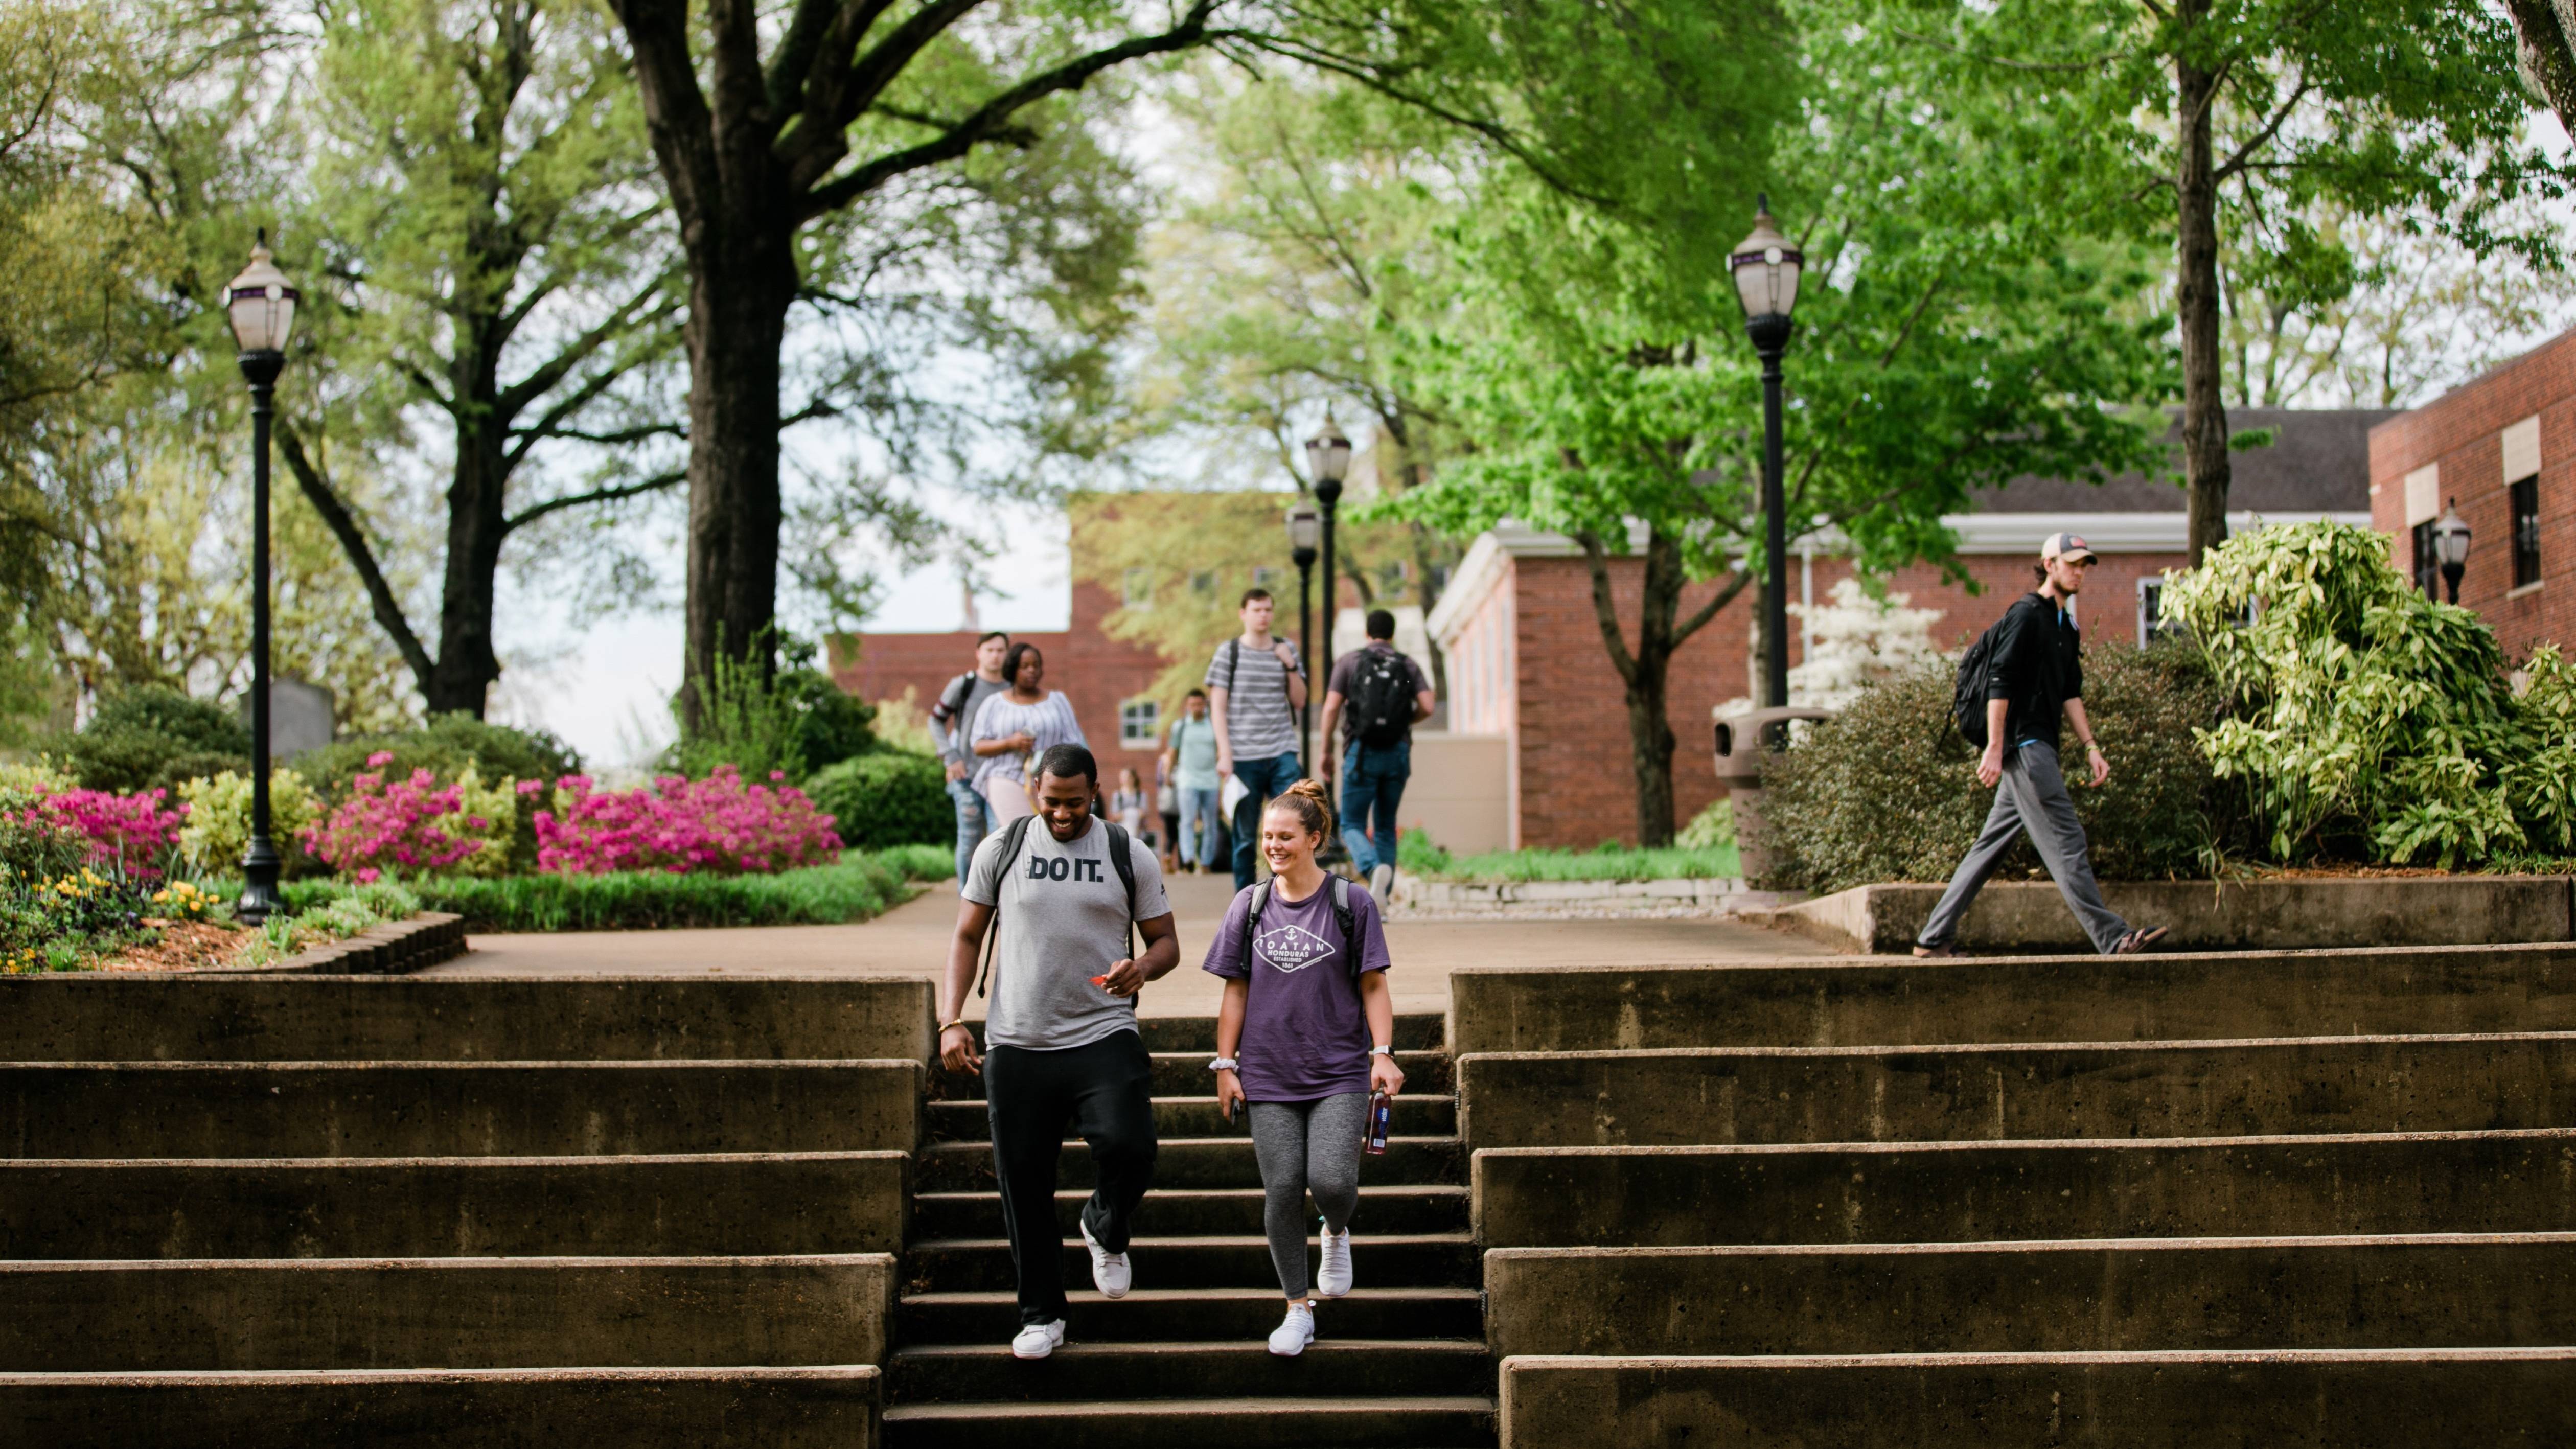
(1259,722)
(1050,721)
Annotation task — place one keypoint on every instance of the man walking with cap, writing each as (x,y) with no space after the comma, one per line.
(2035,678)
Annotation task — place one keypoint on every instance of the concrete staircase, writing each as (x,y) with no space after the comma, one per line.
(1400,1362)
(385,1211)
(2312,1198)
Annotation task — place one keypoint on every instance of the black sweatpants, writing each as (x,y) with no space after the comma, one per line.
(1105,1091)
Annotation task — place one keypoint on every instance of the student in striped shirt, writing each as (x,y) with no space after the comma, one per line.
(1256,685)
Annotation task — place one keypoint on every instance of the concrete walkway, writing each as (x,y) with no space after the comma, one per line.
(912,940)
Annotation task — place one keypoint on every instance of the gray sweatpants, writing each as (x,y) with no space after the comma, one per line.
(2031,796)
(1306,1147)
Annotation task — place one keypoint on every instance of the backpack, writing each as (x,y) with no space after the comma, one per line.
(1342,919)
(1976,674)
(953,699)
(1015,835)
(1381,698)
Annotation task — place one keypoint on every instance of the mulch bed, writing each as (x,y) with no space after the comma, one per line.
(184,946)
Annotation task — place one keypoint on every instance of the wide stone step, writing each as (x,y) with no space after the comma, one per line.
(1185,1074)
(1415,1031)
(1340,1368)
(2004,1093)
(1413,1116)
(1192,1162)
(1876,1002)
(430,1207)
(1446,1260)
(1193,1315)
(1284,1423)
(443,1313)
(2462,1291)
(97,1018)
(2381,1399)
(2518,1182)
(647,1408)
(1206,1212)
(454,1109)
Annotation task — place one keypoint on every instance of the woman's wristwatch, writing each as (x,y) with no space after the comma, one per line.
(1223,1064)
(1379,1051)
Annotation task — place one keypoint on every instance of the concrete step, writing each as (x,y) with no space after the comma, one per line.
(1191,1162)
(1256,1423)
(1865,1002)
(1193,1315)
(1444,1260)
(1413,1116)
(127,1018)
(1339,1368)
(428,1207)
(328,1313)
(1185,1074)
(652,1408)
(1947,1192)
(2384,1399)
(2003,1093)
(2434,1291)
(454,1109)
(1415,1031)
(1192,1213)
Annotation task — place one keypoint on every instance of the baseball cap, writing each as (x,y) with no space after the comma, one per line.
(2068,546)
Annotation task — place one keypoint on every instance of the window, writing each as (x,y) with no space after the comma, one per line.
(2526,531)
(1264,576)
(2428,569)
(2152,623)
(1137,588)
(1137,721)
(1203,583)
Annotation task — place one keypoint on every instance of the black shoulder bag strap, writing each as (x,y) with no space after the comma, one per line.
(1126,868)
(1252,918)
(1349,924)
(1014,836)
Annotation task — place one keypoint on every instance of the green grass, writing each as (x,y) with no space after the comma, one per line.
(861,885)
(1610,862)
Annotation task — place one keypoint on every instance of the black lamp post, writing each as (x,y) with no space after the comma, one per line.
(262,309)
(1766,267)
(1328,459)
(2451,547)
(1303,523)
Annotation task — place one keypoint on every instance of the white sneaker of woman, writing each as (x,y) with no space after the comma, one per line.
(1294,1332)
(1334,1279)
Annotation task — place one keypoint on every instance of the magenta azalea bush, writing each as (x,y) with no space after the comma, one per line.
(416,826)
(132,831)
(721,825)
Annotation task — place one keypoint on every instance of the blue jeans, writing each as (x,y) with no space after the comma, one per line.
(1266,780)
(1199,827)
(973,819)
(1372,786)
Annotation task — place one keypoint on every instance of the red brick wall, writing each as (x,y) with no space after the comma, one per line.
(2463,433)
(1097,673)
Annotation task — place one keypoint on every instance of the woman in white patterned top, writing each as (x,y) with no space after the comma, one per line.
(1015,727)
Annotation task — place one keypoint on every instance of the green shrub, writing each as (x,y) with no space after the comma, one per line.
(446,747)
(1610,861)
(1887,791)
(796,721)
(856,888)
(218,828)
(152,738)
(887,798)
(921,862)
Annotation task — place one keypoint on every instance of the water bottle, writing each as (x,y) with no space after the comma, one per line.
(1380,1112)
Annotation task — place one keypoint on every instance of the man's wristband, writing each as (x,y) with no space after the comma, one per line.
(943,1026)
(2091,748)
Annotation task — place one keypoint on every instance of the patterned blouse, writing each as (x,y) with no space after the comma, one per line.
(1050,722)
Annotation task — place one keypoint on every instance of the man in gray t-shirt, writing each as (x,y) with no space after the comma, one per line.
(1062,1049)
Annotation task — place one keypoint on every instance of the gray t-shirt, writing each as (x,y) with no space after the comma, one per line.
(1063,922)
(951,731)
(1260,724)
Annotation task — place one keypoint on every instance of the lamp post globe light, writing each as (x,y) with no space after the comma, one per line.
(261,307)
(1303,525)
(1328,462)
(1766,266)
(2451,547)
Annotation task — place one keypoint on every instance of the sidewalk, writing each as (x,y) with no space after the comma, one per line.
(912,940)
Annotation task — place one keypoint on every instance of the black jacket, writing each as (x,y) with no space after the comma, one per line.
(2038,665)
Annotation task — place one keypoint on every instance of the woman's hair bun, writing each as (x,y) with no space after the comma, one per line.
(1312,804)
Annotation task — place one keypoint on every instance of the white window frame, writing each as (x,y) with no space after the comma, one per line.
(1150,711)
(1136,588)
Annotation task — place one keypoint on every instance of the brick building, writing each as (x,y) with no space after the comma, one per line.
(2499,449)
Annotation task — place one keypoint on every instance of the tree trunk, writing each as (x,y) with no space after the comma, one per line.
(462,675)
(2204,408)
(740,288)
(1644,670)
(2548,52)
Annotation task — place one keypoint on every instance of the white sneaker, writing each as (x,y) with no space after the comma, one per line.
(1334,1279)
(1037,1340)
(1109,1271)
(1382,883)
(1294,1332)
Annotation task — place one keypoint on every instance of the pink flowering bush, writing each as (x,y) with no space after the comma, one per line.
(416,825)
(131,830)
(719,825)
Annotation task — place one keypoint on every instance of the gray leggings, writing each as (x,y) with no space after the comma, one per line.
(1306,1147)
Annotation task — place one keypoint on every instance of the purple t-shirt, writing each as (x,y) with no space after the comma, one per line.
(1304,1035)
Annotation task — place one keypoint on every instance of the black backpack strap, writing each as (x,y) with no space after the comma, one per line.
(1260,892)
(1348,921)
(1233,660)
(952,700)
(1126,868)
(1014,836)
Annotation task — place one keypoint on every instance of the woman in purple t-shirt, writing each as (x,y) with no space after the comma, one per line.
(1303,1038)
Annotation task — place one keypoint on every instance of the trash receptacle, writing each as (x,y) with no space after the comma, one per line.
(1741,748)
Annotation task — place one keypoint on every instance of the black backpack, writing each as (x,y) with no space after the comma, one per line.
(1015,835)
(1343,919)
(1381,698)
(1976,674)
